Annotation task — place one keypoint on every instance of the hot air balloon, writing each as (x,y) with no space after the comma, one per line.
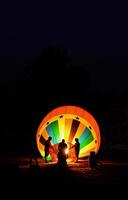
(69,122)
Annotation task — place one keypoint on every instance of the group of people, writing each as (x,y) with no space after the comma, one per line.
(62,150)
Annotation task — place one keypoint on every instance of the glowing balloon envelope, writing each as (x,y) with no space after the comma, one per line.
(69,122)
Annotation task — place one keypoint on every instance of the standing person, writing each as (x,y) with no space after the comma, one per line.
(47,147)
(77,149)
(62,156)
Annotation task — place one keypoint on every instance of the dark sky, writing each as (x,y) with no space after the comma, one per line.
(94,32)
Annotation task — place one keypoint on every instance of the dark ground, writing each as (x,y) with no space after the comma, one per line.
(111,172)
(75,181)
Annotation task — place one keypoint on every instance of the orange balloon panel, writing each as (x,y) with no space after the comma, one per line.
(69,122)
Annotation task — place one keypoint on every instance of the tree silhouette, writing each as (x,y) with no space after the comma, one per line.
(55,79)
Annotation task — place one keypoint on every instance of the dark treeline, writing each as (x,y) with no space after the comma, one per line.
(50,81)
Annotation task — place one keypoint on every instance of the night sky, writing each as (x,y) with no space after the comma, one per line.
(94,32)
(95,36)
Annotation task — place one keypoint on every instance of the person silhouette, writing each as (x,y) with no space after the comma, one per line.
(62,154)
(77,149)
(47,147)
(93,161)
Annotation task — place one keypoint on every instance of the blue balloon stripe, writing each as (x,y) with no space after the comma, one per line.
(84,135)
(51,134)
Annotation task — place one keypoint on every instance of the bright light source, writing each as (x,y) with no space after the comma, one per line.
(66,151)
